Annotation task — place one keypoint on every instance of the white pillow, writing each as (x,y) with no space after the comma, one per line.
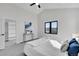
(64,46)
(55,44)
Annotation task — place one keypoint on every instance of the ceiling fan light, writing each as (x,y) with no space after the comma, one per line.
(37,3)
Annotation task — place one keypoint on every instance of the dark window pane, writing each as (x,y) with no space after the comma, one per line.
(47,27)
(54,27)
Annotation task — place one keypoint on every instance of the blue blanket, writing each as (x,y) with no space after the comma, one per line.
(73,48)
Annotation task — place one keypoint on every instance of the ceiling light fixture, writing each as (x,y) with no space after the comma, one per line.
(36,4)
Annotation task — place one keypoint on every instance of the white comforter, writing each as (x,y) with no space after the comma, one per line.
(43,47)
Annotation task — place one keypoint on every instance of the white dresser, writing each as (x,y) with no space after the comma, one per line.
(27,36)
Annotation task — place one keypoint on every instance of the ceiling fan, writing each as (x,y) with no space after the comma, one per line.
(35,4)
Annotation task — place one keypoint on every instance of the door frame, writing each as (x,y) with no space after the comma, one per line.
(2,42)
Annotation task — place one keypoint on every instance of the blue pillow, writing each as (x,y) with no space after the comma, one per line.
(72,41)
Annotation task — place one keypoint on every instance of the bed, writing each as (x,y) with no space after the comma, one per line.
(43,47)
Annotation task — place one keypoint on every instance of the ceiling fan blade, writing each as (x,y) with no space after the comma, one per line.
(32,4)
(39,6)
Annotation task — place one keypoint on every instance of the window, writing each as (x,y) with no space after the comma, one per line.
(51,27)
(47,27)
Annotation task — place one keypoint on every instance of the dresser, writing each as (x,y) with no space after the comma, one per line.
(27,36)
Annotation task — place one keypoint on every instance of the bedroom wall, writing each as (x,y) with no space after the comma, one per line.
(10,11)
(77,22)
(67,22)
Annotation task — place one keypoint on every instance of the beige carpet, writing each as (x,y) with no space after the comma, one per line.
(14,50)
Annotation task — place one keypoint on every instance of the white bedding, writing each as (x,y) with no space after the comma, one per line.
(43,47)
(38,42)
(55,44)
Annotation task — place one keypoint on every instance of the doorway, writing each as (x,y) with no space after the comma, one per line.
(10,32)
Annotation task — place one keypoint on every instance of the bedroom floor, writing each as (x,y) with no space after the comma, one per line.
(15,50)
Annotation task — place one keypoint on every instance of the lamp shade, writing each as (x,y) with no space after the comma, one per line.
(75,35)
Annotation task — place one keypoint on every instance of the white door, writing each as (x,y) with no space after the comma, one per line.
(10,32)
(2,35)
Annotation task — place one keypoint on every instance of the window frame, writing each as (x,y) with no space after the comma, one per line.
(50,31)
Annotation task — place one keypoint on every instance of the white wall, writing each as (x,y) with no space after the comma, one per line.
(77,22)
(67,22)
(9,11)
